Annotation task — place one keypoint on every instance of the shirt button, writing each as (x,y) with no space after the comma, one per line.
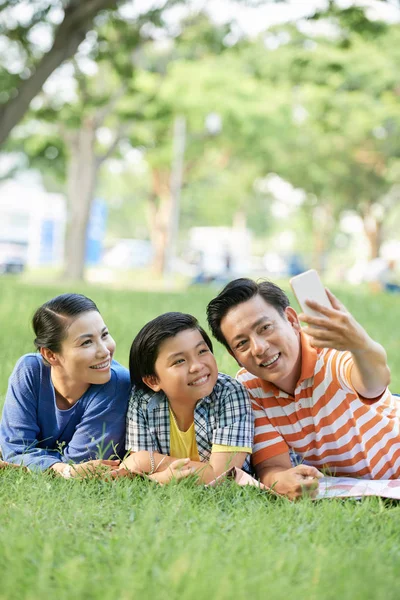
(300,406)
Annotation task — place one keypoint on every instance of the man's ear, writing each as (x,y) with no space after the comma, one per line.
(152,382)
(50,357)
(292,317)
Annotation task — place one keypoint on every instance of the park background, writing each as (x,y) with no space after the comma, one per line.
(151,151)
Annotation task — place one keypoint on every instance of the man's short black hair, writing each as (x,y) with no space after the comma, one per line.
(239,291)
(146,345)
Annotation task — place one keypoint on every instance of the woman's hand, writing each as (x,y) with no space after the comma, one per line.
(5,465)
(91,468)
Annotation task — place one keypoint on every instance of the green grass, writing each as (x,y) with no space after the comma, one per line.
(132,539)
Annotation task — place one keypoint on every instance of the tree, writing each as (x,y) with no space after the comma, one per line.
(24,86)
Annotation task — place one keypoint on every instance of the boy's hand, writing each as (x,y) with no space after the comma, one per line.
(337,328)
(178,469)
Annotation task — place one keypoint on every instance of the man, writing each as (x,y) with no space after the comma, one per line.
(320,391)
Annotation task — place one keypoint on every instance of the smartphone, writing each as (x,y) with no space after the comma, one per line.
(308,286)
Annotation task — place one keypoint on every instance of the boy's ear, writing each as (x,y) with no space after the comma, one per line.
(152,382)
(50,357)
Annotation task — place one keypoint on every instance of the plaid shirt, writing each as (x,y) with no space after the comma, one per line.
(224,418)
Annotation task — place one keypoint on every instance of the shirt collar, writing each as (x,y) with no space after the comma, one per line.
(154,399)
(309,356)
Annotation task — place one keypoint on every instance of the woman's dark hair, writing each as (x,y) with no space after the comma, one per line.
(238,291)
(146,345)
(51,320)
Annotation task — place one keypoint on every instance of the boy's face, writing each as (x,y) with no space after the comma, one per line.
(185,368)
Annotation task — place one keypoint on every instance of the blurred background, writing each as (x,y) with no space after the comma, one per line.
(157,144)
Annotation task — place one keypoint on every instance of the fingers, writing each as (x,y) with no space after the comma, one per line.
(323,310)
(111,463)
(179,463)
(117,473)
(334,301)
(182,473)
(308,471)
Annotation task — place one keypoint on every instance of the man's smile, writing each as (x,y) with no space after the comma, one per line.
(271,361)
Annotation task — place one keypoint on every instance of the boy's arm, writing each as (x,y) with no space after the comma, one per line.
(338,329)
(277,473)
(222,461)
(140,462)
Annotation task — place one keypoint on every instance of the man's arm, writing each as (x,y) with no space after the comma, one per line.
(338,329)
(277,473)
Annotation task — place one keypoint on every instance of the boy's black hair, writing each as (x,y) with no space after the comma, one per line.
(146,345)
(239,291)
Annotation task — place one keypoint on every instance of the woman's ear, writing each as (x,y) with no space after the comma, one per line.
(152,382)
(50,357)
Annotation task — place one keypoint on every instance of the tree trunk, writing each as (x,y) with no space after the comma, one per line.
(373,229)
(81,179)
(71,32)
(159,216)
(322,224)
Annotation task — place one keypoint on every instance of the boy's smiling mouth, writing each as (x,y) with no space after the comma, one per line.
(200,381)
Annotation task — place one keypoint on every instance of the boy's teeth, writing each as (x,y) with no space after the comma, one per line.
(270,361)
(199,381)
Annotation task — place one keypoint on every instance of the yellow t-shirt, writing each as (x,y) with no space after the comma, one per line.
(183,443)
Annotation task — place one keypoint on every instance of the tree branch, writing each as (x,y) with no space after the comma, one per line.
(110,150)
(77,21)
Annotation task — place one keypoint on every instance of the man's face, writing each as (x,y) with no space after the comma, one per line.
(264,342)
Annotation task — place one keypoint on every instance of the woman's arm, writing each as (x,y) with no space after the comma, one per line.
(19,428)
(100,432)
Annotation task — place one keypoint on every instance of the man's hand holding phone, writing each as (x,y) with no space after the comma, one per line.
(335,328)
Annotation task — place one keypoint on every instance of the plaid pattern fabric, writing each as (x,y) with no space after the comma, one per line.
(224,417)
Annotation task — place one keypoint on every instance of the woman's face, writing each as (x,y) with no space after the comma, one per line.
(87,350)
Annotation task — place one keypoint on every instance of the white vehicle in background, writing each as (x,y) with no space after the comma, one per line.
(12,258)
(32,227)
(129,254)
(220,252)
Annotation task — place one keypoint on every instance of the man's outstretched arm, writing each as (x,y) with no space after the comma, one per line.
(338,329)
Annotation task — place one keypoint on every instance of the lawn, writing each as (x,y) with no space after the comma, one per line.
(130,539)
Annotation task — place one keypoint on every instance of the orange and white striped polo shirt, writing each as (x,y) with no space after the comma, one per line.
(326,422)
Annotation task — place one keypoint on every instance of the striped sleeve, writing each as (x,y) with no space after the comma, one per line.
(345,366)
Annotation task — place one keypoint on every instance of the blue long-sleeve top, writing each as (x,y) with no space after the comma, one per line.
(37,434)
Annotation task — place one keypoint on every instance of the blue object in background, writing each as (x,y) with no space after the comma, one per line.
(96,232)
(46,254)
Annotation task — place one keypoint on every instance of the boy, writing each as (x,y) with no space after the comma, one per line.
(180,406)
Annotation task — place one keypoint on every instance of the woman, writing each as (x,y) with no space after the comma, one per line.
(65,406)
